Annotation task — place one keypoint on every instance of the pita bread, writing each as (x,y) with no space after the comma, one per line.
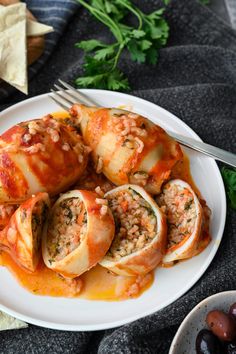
(13,56)
(37,29)
(9,322)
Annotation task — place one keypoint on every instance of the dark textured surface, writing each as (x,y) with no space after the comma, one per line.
(196,80)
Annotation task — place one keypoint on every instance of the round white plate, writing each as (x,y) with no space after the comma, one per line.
(169,284)
(185,338)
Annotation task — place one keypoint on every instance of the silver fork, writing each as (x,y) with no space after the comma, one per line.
(66,95)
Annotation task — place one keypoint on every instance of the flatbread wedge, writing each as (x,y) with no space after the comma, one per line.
(35,28)
(8,322)
(13,59)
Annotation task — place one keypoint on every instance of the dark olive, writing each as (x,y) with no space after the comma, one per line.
(207,343)
(230,348)
(222,325)
(232,310)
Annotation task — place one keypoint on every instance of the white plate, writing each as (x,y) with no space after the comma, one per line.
(185,338)
(169,284)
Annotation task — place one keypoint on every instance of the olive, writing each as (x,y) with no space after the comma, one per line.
(232,310)
(207,343)
(222,325)
(230,348)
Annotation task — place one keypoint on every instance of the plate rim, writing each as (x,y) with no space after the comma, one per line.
(117,323)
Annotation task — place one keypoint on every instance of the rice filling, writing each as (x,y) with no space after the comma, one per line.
(135,223)
(67,228)
(178,204)
(39,216)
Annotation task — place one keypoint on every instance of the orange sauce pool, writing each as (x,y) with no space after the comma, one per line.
(98,283)
(182,171)
(60,114)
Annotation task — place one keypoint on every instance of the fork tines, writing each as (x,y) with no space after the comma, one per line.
(66,95)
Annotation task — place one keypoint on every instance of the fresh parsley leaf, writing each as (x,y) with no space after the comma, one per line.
(100,74)
(229,177)
(113,80)
(111,8)
(93,66)
(114,10)
(145,44)
(89,81)
(90,45)
(156,15)
(137,34)
(98,4)
(117,81)
(136,52)
(156,32)
(143,41)
(102,54)
(152,55)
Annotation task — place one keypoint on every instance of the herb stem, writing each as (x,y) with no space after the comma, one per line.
(117,56)
(134,11)
(142,41)
(106,20)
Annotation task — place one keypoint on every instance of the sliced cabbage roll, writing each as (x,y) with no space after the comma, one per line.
(21,238)
(127,147)
(78,234)
(140,238)
(184,219)
(37,156)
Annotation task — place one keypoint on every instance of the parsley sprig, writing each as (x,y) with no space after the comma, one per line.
(229,177)
(143,42)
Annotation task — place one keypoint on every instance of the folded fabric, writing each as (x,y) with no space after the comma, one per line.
(196,80)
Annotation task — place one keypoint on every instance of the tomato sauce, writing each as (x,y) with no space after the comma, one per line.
(182,171)
(97,283)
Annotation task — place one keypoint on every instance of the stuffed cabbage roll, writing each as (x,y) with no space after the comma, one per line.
(78,234)
(21,238)
(140,237)
(127,147)
(37,156)
(184,218)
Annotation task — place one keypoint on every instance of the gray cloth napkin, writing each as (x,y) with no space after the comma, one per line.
(196,80)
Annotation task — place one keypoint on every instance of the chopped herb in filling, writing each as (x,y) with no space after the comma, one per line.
(39,216)
(178,204)
(135,223)
(67,228)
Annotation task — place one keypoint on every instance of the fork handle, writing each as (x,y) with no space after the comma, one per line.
(218,154)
